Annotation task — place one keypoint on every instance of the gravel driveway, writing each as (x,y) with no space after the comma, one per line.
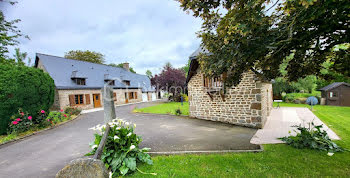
(44,154)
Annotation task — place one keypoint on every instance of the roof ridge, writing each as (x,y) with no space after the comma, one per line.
(87,62)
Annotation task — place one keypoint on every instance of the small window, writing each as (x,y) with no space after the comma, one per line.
(79,99)
(126,82)
(333,94)
(110,82)
(131,95)
(80,81)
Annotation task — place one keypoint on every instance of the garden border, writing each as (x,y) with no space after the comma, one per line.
(38,132)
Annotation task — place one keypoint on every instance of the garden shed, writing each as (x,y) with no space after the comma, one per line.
(337,94)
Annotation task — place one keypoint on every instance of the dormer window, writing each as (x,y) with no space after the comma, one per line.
(126,82)
(110,82)
(79,81)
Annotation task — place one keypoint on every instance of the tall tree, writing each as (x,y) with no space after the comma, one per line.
(170,79)
(21,58)
(258,35)
(149,74)
(88,56)
(121,65)
(9,34)
(186,68)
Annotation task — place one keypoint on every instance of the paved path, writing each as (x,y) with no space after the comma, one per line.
(280,123)
(44,154)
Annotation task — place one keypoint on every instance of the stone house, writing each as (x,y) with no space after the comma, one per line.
(248,104)
(79,83)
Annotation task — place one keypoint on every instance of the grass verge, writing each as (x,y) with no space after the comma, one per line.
(166,108)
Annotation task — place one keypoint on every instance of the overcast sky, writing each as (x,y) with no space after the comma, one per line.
(146,33)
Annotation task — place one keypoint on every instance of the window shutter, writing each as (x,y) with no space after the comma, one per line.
(87,98)
(115,96)
(135,95)
(71,100)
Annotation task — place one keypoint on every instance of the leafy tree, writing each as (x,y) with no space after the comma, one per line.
(121,65)
(21,57)
(257,35)
(170,79)
(89,56)
(186,68)
(149,74)
(9,34)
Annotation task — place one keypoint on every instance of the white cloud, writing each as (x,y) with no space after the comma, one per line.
(145,33)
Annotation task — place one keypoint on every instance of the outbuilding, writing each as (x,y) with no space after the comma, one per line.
(336,94)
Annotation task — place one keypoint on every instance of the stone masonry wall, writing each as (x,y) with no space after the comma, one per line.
(266,101)
(242,105)
(63,97)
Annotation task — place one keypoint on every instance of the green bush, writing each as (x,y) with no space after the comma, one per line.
(56,117)
(312,137)
(121,153)
(20,122)
(72,110)
(23,87)
(300,97)
(178,112)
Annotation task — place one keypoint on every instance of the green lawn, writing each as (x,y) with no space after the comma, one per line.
(276,161)
(166,108)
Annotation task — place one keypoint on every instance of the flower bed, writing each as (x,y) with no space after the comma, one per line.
(23,124)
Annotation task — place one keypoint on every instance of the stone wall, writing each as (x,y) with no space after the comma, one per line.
(63,97)
(248,104)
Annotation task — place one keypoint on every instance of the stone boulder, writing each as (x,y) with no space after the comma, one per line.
(84,168)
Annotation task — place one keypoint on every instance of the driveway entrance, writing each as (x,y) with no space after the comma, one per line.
(44,154)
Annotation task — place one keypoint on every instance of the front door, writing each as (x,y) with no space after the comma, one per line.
(97,100)
(126,98)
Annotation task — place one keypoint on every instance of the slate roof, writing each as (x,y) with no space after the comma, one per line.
(62,71)
(201,49)
(333,85)
(194,62)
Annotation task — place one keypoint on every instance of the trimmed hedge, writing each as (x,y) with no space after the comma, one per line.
(300,97)
(23,87)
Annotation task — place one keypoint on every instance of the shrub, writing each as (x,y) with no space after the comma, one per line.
(72,110)
(42,120)
(57,117)
(121,153)
(178,112)
(23,87)
(177,97)
(312,137)
(185,97)
(300,97)
(20,122)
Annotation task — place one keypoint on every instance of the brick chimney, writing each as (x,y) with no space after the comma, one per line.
(126,66)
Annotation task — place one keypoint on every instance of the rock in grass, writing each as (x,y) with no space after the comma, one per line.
(83,168)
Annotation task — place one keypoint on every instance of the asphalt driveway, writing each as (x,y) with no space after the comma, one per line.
(44,154)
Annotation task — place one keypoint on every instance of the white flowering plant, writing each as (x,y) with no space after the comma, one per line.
(121,153)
